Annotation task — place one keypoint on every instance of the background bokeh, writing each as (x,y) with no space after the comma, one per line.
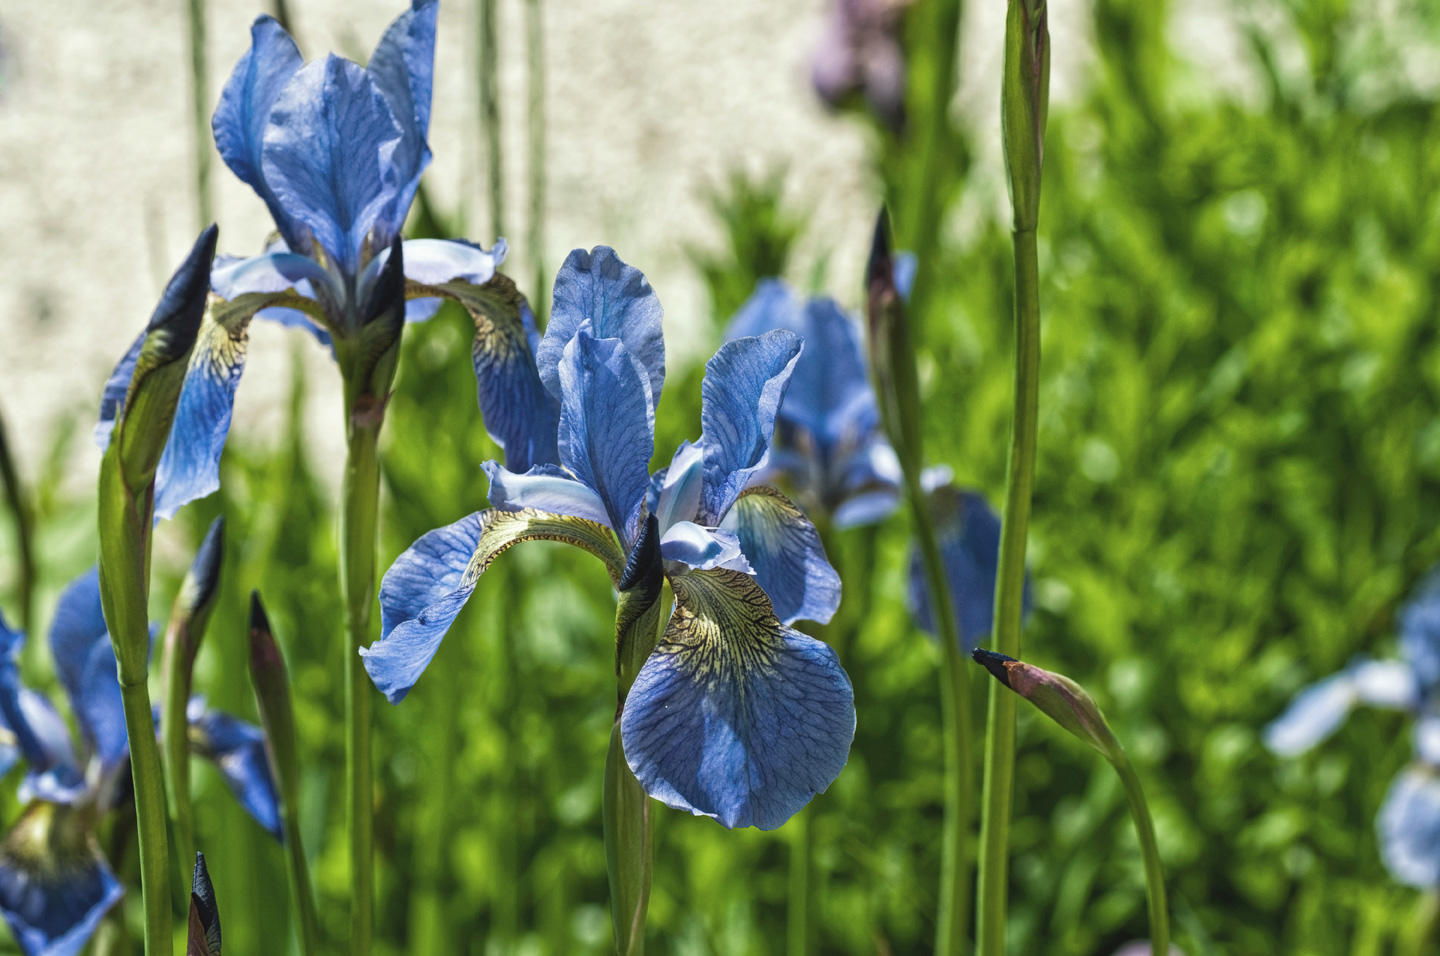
(1238,481)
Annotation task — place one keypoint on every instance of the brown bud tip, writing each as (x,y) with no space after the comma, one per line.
(264,651)
(879,268)
(995,663)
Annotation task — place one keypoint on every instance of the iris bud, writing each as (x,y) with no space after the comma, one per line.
(204,936)
(154,392)
(1056,696)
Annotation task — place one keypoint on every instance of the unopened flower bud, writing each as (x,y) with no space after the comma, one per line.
(1057,696)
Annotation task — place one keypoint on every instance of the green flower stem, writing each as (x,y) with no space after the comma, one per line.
(489,81)
(1423,931)
(535,129)
(952,916)
(1009,596)
(200,105)
(149,813)
(24,528)
(798,904)
(360,493)
(175,737)
(1154,873)
(629,847)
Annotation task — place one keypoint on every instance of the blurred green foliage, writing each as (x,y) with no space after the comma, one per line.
(1237,485)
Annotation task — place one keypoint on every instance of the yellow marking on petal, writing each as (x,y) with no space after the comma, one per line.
(502,530)
(723,626)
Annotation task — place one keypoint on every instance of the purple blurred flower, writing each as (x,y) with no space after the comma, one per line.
(860,53)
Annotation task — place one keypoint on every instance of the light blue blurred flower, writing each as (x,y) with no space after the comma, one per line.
(1411,684)
(336,151)
(734,715)
(1409,827)
(55,885)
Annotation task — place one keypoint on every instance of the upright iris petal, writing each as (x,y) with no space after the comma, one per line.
(607,426)
(55,887)
(734,715)
(328,156)
(744,385)
(244,112)
(599,293)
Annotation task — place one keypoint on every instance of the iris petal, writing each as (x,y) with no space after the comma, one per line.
(598,292)
(112,398)
(784,549)
(427,586)
(402,68)
(830,391)
(544,488)
(697,547)
(237,748)
(607,426)
(244,110)
(328,155)
(1420,631)
(677,495)
(1314,714)
(1409,827)
(519,413)
(735,716)
(190,465)
(744,384)
(968,530)
(85,665)
(55,887)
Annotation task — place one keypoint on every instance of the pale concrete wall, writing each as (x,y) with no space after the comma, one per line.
(648,102)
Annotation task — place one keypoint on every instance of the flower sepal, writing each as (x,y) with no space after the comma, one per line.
(1057,697)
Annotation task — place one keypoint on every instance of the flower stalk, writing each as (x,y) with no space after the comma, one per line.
(1024,104)
(272,696)
(367,363)
(898,393)
(629,817)
(126,507)
(183,633)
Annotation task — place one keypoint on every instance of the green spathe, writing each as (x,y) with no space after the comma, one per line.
(1057,696)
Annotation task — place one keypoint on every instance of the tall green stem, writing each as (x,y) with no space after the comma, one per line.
(1009,598)
(1154,873)
(629,847)
(175,733)
(489,82)
(24,527)
(149,814)
(360,492)
(952,916)
(200,104)
(535,127)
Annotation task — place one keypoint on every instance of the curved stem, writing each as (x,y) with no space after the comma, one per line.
(149,815)
(1009,600)
(1154,872)
(953,913)
(359,505)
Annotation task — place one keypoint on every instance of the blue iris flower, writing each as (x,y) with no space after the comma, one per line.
(833,452)
(336,151)
(1409,821)
(734,715)
(55,884)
